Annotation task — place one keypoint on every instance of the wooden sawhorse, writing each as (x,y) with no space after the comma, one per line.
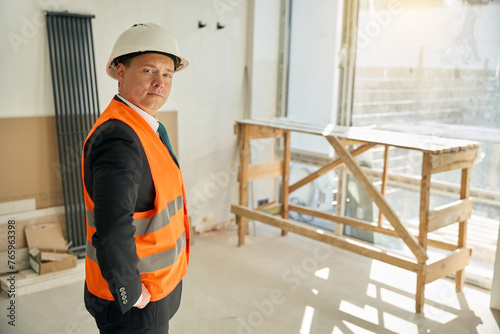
(439,155)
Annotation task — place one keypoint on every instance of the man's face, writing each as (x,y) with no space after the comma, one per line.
(147,81)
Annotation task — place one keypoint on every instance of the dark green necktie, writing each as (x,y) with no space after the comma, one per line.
(164,137)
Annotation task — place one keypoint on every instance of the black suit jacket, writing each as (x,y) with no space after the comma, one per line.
(118,179)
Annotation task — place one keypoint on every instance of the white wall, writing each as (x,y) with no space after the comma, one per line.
(262,64)
(209,95)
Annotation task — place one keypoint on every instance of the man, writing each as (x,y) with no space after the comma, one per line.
(137,227)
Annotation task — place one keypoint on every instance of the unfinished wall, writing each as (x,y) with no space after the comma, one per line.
(209,96)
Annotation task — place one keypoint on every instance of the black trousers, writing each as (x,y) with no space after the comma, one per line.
(109,319)
(116,329)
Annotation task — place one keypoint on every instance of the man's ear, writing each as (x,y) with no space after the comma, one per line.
(120,72)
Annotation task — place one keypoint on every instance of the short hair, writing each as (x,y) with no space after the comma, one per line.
(127,59)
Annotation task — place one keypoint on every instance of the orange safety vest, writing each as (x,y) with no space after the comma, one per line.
(162,234)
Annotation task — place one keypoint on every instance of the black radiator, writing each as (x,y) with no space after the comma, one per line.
(76,106)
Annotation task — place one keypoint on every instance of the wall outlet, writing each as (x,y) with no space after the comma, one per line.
(262,201)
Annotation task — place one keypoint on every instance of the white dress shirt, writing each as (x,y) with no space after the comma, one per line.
(152,121)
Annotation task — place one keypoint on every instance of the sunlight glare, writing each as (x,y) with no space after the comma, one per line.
(305,327)
(367,313)
(323,273)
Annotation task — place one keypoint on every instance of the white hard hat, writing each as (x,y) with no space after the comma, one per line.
(143,37)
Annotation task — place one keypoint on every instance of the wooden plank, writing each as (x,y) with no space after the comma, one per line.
(7,208)
(450,264)
(328,237)
(266,205)
(425,193)
(257,131)
(340,198)
(28,282)
(454,159)
(21,261)
(370,189)
(51,211)
(423,143)
(285,182)
(265,170)
(364,225)
(325,169)
(383,187)
(350,142)
(457,165)
(441,244)
(273,210)
(51,256)
(244,149)
(462,227)
(448,214)
(361,224)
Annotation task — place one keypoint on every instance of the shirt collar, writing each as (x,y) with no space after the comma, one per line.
(152,121)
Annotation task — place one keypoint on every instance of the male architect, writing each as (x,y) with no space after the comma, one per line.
(137,224)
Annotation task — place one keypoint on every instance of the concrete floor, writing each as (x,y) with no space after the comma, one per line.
(280,285)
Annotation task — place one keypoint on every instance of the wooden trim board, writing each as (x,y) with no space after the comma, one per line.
(27,281)
(422,143)
(450,213)
(8,208)
(265,170)
(21,261)
(448,265)
(312,232)
(364,225)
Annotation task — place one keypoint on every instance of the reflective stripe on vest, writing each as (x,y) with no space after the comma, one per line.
(161,234)
(149,225)
(153,262)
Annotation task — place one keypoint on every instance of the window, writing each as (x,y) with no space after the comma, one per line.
(422,66)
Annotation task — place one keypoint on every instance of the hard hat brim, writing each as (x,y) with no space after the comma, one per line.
(111,67)
(142,38)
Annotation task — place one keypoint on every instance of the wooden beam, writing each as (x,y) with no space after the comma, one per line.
(328,237)
(383,187)
(425,193)
(265,170)
(28,282)
(273,209)
(21,261)
(456,159)
(266,205)
(361,224)
(382,204)
(462,227)
(350,142)
(325,169)
(285,172)
(258,131)
(364,225)
(448,214)
(441,244)
(244,148)
(450,264)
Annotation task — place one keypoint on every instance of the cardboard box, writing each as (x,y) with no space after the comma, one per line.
(48,251)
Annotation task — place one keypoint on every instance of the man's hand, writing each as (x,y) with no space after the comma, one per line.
(146,297)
